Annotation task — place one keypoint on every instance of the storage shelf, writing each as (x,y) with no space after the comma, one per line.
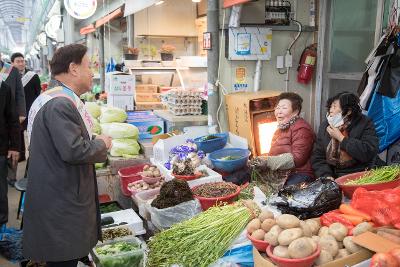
(290,28)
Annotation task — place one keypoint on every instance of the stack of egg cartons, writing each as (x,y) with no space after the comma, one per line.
(183,102)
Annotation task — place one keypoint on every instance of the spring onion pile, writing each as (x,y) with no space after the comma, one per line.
(376,176)
(200,241)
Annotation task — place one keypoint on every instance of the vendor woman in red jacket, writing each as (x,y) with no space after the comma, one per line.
(288,161)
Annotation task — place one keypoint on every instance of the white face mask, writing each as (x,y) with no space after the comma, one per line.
(335,120)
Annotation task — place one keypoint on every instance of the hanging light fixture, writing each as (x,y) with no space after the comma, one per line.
(159,2)
(196,1)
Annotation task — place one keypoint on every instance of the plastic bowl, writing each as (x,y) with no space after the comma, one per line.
(187,177)
(129,175)
(283,262)
(134,191)
(348,190)
(151,180)
(208,202)
(229,165)
(260,245)
(213,144)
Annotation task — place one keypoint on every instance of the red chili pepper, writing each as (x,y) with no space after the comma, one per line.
(332,217)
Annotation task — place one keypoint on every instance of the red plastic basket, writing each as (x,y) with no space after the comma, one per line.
(187,177)
(208,202)
(260,245)
(129,175)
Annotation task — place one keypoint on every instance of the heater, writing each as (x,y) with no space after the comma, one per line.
(251,116)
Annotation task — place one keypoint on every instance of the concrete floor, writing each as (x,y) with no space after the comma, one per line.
(13,200)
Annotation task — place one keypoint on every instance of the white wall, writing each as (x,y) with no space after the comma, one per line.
(271,79)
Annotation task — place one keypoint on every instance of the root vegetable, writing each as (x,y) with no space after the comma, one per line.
(350,245)
(362,228)
(267,224)
(289,235)
(300,248)
(258,234)
(329,243)
(323,231)
(390,231)
(324,257)
(146,167)
(316,238)
(340,245)
(266,214)
(287,221)
(338,230)
(307,231)
(314,225)
(272,236)
(342,253)
(281,251)
(313,243)
(255,224)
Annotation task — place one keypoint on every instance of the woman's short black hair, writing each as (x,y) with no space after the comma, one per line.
(348,102)
(294,98)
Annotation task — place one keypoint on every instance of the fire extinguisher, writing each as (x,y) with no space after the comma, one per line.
(307,63)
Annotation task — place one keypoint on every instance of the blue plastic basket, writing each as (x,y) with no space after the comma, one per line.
(230,165)
(213,144)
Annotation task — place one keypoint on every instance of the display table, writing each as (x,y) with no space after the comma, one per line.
(179,122)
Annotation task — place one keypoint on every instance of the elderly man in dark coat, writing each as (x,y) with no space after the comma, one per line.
(62,218)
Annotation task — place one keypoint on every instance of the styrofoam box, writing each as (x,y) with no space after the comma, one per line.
(129,216)
(124,102)
(145,197)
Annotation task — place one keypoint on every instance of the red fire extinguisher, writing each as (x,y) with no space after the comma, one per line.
(307,63)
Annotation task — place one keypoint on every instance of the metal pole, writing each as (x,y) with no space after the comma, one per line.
(212,64)
(101,55)
(130,30)
(68,28)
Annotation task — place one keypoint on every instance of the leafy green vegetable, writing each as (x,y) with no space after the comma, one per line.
(106,208)
(124,148)
(111,114)
(230,158)
(209,137)
(116,248)
(122,253)
(378,175)
(93,109)
(100,165)
(119,130)
(96,127)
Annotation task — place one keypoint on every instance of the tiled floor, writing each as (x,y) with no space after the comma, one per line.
(13,199)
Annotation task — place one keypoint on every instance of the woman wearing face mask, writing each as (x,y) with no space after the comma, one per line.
(346,140)
(288,161)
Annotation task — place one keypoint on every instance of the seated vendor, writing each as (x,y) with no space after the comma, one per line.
(288,161)
(346,140)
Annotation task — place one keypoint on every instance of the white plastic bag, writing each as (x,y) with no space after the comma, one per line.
(165,218)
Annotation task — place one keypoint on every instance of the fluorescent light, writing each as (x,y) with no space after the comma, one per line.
(159,2)
(196,1)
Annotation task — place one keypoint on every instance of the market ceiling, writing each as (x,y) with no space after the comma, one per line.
(16,14)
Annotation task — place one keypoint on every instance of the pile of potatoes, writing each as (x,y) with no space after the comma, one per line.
(291,237)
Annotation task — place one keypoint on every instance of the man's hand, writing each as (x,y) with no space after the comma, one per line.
(14,156)
(106,139)
(21,119)
(335,133)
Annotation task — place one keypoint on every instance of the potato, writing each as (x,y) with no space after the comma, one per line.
(300,248)
(253,225)
(146,167)
(329,244)
(307,231)
(350,245)
(338,231)
(314,225)
(340,245)
(323,231)
(315,238)
(272,236)
(258,234)
(267,224)
(289,235)
(281,251)
(287,221)
(362,228)
(313,243)
(266,214)
(342,253)
(324,257)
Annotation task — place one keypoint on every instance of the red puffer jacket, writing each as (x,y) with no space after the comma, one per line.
(297,140)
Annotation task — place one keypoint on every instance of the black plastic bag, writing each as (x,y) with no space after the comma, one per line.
(308,200)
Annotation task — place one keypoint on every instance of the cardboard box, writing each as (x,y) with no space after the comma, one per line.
(146,88)
(121,101)
(149,105)
(375,242)
(119,83)
(148,127)
(147,97)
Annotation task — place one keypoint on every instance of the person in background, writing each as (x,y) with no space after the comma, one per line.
(288,161)
(10,75)
(9,144)
(62,217)
(32,88)
(346,140)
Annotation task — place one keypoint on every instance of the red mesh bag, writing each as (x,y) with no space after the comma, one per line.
(383,206)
